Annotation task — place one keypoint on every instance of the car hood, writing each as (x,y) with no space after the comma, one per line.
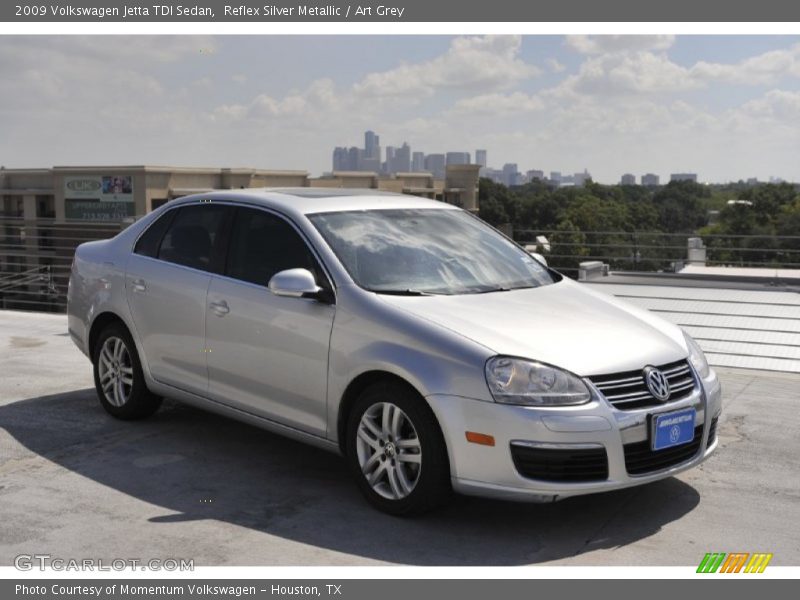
(563,324)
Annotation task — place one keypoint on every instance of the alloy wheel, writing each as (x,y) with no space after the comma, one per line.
(389,451)
(115,370)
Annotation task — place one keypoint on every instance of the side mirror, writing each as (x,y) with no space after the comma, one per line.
(294,283)
(539,257)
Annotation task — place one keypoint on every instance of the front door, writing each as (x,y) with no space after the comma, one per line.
(268,355)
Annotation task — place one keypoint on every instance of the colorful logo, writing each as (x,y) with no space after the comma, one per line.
(735,562)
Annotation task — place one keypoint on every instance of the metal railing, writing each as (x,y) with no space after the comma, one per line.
(661,252)
(36,257)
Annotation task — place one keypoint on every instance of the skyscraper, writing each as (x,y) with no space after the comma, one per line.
(369,164)
(480,158)
(372,145)
(401,162)
(367,158)
(435,163)
(581,178)
(457,158)
(650,179)
(355,156)
(389,162)
(340,158)
(347,159)
(417,162)
(510,172)
(683,177)
(628,179)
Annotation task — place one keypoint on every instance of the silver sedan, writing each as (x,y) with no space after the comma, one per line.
(430,350)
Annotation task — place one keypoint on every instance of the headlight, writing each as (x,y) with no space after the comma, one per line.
(517,381)
(696,357)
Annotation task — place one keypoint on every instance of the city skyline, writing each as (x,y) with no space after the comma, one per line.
(403,160)
(399,159)
(725,107)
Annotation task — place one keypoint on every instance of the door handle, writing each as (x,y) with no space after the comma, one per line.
(220,308)
(138,285)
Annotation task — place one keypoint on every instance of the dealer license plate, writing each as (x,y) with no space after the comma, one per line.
(673,428)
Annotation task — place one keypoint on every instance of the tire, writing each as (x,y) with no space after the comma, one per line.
(402,469)
(118,376)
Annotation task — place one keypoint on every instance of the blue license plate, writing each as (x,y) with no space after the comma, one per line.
(673,428)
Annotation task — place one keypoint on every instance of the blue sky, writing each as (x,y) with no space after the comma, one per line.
(726,107)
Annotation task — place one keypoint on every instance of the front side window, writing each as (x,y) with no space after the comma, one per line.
(427,251)
(263,244)
(189,241)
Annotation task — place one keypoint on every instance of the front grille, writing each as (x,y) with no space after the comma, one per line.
(640,458)
(556,464)
(628,390)
(712,431)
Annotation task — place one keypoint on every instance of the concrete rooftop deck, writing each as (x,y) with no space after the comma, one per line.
(75,483)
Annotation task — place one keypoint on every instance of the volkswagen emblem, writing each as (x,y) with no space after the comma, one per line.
(657,383)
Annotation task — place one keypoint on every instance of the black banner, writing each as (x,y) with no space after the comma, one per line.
(730,588)
(255,11)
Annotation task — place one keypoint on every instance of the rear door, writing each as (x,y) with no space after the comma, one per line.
(167,282)
(268,355)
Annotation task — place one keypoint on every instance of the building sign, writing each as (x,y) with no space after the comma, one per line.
(102,188)
(95,210)
(99,197)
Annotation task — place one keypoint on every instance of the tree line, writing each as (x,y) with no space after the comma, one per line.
(646,228)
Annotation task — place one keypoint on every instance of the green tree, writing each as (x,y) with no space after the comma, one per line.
(568,247)
(497,204)
(679,206)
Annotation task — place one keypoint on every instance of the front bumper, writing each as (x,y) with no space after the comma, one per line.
(490,471)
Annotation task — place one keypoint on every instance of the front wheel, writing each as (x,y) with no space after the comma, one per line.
(118,376)
(396,451)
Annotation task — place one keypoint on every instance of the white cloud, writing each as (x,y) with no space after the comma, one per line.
(88,72)
(763,69)
(627,73)
(639,64)
(598,44)
(489,62)
(203,83)
(554,65)
(498,104)
(775,104)
(470,63)
(318,98)
(102,50)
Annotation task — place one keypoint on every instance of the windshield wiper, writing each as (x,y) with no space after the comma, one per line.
(407,292)
(503,289)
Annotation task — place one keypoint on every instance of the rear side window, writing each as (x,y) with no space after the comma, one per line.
(190,238)
(262,244)
(147,245)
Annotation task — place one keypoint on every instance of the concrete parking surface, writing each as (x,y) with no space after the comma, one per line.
(75,483)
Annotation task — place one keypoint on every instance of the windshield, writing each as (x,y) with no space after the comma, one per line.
(427,251)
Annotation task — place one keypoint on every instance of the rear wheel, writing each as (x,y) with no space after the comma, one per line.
(396,451)
(118,376)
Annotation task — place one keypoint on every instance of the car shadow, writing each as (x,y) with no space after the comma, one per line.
(200,466)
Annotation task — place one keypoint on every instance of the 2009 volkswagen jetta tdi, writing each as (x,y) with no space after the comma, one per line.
(430,350)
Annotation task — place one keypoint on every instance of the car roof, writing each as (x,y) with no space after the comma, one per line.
(307,200)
